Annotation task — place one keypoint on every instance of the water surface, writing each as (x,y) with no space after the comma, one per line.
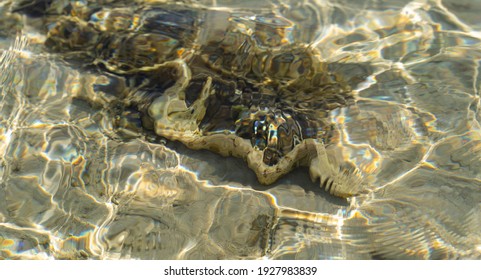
(72,186)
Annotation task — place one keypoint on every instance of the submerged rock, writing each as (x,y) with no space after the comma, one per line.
(234,83)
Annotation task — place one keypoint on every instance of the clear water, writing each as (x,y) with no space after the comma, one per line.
(72,187)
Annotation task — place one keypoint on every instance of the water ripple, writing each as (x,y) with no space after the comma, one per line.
(82,178)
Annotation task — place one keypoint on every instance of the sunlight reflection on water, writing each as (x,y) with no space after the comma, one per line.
(73,186)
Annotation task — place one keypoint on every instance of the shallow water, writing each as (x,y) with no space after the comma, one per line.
(73,186)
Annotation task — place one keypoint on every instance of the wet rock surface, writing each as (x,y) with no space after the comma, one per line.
(245,89)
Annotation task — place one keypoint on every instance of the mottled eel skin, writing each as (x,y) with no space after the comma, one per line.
(232,83)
